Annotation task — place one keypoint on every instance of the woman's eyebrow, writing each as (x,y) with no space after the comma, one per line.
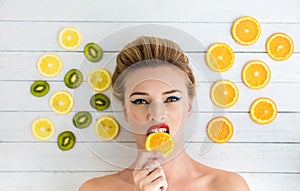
(146,94)
(138,93)
(171,91)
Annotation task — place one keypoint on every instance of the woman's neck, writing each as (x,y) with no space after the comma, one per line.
(178,168)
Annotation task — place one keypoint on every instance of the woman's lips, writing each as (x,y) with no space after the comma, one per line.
(158,128)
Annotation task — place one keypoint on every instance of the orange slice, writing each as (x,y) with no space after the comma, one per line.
(263,110)
(224,93)
(42,129)
(61,102)
(219,57)
(160,142)
(49,65)
(256,74)
(280,46)
(246,30)
(219,129)
(69,38)
(106,128)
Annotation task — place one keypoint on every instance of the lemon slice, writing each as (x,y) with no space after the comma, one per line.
(42,129)
(106,128)
(70,38)
(49,65)
(219,129)
(61,102)
(160,142)
(99,79)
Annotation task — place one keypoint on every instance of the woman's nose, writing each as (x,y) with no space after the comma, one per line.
(157,112)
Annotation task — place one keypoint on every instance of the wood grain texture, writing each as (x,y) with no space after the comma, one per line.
(267,156)
(42,36)
(152,11)
(13,65)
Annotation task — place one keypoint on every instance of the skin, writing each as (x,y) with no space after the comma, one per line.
(158,104)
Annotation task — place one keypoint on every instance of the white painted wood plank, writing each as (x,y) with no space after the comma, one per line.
(22,66)
(38,36)
(285,129)
(155,11)
(25,26)
(240,157)
(36,181)
(16,96)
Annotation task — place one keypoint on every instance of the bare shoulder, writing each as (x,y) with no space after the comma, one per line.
(220,180)
(104,183)
(229,181)
(95,184)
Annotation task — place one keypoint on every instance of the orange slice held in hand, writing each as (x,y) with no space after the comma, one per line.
(263,110)
(219,57)
(280,46)
(219,129)
(224,93)
(161,142)
(246,30)
(256,74)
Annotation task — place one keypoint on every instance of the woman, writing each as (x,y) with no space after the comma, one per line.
(155,86)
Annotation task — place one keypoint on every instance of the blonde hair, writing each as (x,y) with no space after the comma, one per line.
(148,51)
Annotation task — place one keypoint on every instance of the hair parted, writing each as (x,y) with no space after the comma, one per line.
(143,51)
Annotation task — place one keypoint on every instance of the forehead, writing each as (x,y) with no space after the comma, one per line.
(167,76)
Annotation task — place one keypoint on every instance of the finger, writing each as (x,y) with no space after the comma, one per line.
(152,165)
(144,177)
(155,174)
(149,156)
(139,175)
(158,184)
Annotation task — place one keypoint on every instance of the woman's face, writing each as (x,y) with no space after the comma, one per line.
(156,99)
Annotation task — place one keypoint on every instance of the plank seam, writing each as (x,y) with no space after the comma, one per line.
(187,142)
(139,22)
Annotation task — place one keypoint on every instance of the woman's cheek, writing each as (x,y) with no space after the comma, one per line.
(138,113)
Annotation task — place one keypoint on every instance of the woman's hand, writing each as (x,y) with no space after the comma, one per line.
(148,174)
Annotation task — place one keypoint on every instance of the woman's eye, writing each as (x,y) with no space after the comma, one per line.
(172,99)
(139,102)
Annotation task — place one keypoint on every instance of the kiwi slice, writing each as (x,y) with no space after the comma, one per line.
(93,52)
(99,101)
(73,78)
(82,119)
(39,88)
(66,140)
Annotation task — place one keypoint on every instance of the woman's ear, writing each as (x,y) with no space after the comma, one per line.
(190,109)
(125,113)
